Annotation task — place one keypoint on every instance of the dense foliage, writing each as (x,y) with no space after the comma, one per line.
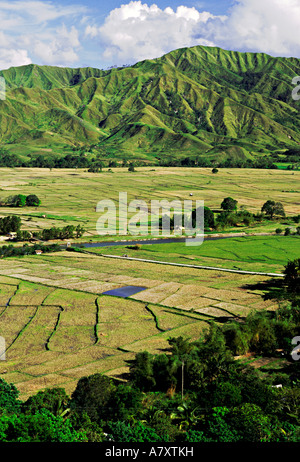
(12,251)
(94,165)
(47,234)
(20,200)
(10,224)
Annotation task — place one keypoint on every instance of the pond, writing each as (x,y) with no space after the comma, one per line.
(124,291)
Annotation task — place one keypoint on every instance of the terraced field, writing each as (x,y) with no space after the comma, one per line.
(58,326)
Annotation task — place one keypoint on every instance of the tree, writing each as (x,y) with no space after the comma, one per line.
(54,400)
(32,200)
(209,218)
(124,402)
(19,200)
(251,423)
(122,432)
(272,208)
(40,427)
(226,394)
(292,276)
(141,371)
(79,231)
(9,397)
(229,204)
(262,332)
(131,168)
(91,395)
(236,338)
(10,224)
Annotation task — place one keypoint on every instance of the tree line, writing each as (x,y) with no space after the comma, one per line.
(96,164)
(13,251)
(53,233)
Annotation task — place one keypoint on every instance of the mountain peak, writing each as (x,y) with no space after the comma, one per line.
(198,101)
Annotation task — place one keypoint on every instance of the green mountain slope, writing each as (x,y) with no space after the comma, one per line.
(198,102)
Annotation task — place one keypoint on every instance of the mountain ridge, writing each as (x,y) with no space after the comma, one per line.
(198,101)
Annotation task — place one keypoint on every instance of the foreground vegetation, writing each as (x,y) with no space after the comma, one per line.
(197,392)
(205,390)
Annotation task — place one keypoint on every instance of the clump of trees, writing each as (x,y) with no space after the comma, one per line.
(208,218)
(20,200)
(13,251)
(230,216)
(81,160)
(47,234)
(10,224)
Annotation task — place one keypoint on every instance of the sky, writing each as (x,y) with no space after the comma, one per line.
(101,34)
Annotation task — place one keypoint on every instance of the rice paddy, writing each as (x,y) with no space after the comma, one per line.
(60,325)
(60,313)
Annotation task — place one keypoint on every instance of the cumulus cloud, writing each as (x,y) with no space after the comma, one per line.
(270,26)
(136,31)
(54,33)
(12,57)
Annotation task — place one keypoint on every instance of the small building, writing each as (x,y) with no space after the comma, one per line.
(38,252)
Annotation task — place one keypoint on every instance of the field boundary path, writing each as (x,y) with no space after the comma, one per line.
(185,265)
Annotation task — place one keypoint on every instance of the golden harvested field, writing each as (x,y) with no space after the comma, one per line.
(58,325)
(71,196)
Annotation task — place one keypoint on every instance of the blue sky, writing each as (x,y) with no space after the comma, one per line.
(103,33)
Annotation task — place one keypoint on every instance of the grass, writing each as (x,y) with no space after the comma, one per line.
(251,253)
(71,196)
(64,333)
(157,109)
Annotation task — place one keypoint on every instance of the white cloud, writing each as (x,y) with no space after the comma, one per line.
(51,32)
(61,50)
(136,31)
(33,31)
(11,57)
(270,26)
(36,12)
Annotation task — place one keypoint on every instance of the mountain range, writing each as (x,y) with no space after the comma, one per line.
(193,102)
